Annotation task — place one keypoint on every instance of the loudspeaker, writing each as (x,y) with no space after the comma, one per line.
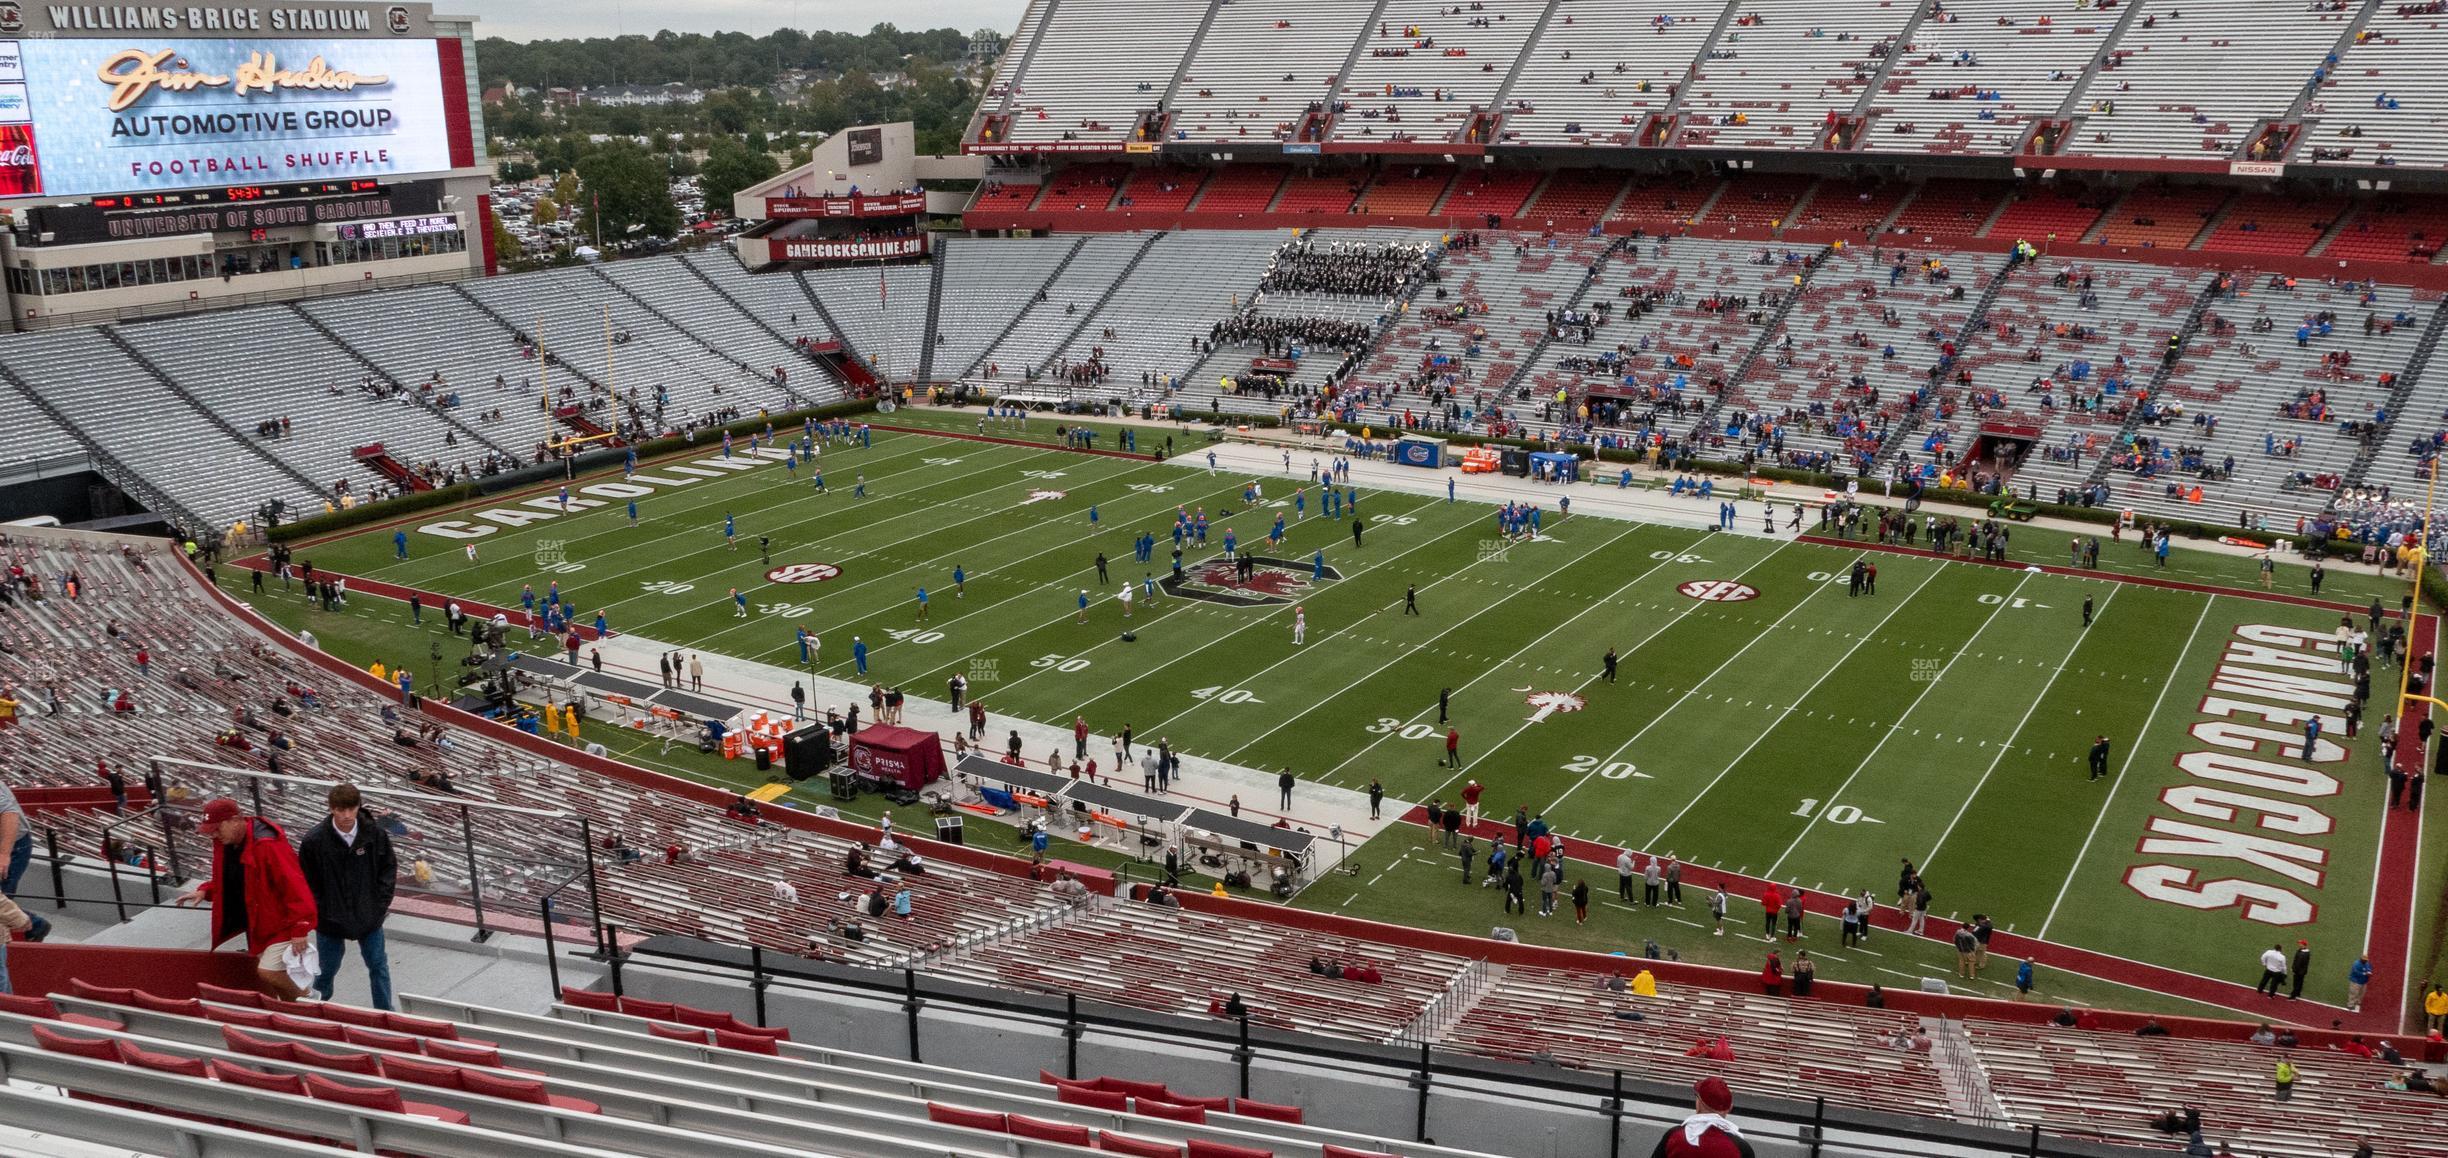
(948,830)
(806,753)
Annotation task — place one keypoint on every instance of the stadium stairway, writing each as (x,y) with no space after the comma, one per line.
(1789,296)
(371,367)
(556,360)
(2361,474)
(106,464)
(111,334)
(2162,368)
(1579,297)
(1898,450)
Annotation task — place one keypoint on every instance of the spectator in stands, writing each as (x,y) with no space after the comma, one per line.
(1709,1132)
(1772,974)
(2151,1028)
(2284,1078)
(13,920)
(1070,888)
(17,847)
(351,870)
(257,890)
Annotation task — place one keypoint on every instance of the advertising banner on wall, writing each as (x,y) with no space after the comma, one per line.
(80,117)
(812,249)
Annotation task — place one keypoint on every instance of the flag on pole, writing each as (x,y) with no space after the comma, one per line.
(883,287)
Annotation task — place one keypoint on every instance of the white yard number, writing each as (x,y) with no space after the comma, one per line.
(1672,557)
(913,635)
(565,568)
(1389,726)
(1831,576)
(1835,814)
(1058,663)
(1151,488)
(1393,520)
(940,461)
(1611,770)
(668,587)
(1223,695)
(2016,602)
(788,610)
(1041,474)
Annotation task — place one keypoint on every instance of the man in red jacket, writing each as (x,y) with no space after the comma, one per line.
(257,889)
(1708,1133)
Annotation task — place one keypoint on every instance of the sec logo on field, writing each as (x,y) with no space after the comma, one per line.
(1719,590)
(803,573)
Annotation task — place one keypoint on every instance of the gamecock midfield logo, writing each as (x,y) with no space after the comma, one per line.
(1270,581)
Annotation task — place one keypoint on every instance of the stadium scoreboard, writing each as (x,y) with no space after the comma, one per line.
(116,102)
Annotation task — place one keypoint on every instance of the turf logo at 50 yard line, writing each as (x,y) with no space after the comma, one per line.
(1271,581)
(803,573)
(1718,590)
(543,508)
(2257,770)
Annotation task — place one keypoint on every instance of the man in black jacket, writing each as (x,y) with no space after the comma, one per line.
(351,870)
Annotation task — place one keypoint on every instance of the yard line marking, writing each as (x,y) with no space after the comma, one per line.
(2000,758)
(1909,709)
(1465,621)
(2119,780)
(964,610)
(612,508)
(1762,734)
(841,589)
(1586,681)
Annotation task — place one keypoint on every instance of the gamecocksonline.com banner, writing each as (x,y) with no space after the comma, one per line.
(136,114)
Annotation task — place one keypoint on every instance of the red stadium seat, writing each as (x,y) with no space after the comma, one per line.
(1268,1110)
(356,1063)
(255,1079)
(1044,1131)
(973,1119)
(1173,1110)
(1079,1095)
(192,1067)
(227,996)
(590,999)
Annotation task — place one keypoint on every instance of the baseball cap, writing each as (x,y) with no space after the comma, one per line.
(220,808)
(1714,1096)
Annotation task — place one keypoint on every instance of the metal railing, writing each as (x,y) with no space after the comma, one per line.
(1450,1003)
(472,853)
(1429,1072)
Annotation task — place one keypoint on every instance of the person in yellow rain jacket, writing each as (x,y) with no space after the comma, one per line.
(1644,984)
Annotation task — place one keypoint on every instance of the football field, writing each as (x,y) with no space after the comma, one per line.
(1764,719)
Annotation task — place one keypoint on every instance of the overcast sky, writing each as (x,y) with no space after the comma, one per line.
(556,19)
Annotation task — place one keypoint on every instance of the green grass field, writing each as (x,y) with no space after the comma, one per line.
(1801,734)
